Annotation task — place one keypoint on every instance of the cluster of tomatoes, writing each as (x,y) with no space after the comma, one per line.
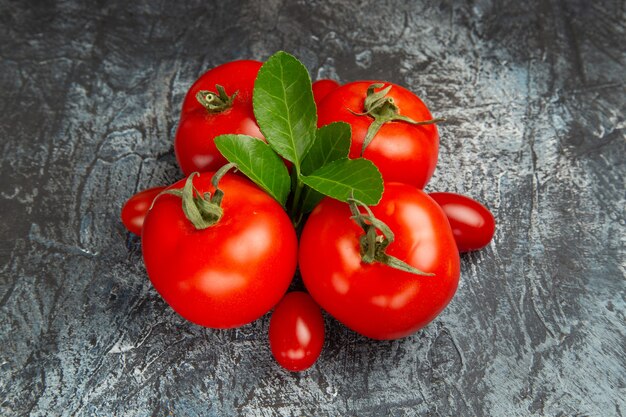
(222,252)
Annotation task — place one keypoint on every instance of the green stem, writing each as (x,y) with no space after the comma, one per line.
(295,203)
(215,181)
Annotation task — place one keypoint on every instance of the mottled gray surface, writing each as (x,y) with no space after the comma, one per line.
(535,97)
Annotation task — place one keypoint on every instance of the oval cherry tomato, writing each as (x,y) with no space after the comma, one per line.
(402,152)
(135,209)
(230,273)
(376,300)
(193,145)
(472,223)
(296,331)
(321,88)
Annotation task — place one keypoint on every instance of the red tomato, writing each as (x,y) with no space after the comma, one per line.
(193,145)
(402,152)
(296,331)
(321,88)
(472,223)
(233,76)
(376,300)
(135,209)
(230,273)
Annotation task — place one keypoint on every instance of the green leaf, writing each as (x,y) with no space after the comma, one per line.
(311,199)
(258,162)
(331,143)
(284,107)
(344,178)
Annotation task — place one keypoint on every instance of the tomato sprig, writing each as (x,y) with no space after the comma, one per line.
(322,149)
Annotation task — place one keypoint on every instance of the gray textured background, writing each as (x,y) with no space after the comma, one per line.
(535,96)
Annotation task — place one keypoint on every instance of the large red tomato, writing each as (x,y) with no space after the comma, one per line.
(193,145)
(376,300)
(227,274)
(402,151)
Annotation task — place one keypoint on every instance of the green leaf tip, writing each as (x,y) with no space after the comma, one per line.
(284,106)
(345,178)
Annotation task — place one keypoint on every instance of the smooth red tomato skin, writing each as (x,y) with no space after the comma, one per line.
(296,331)
(376,300)
(193,144)
(135,209)
(402,152)
(473,225)
(321,88)
(228,274)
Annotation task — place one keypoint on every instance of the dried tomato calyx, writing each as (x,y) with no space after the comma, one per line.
(215,102)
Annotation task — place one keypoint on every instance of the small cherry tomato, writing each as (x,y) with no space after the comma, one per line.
(296,331)
(135,209)
(321,88)
(472,223)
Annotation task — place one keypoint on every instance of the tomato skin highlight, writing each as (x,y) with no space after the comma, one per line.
(135,208)
(296,331)
(473,225)
(402,152)
(193,144)
(376,300)
(228,274)
(321,88)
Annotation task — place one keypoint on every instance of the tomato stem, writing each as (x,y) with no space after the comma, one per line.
(373,246)
(201,209)
(215,180)
(295,203)
(215,102)
(383,110)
